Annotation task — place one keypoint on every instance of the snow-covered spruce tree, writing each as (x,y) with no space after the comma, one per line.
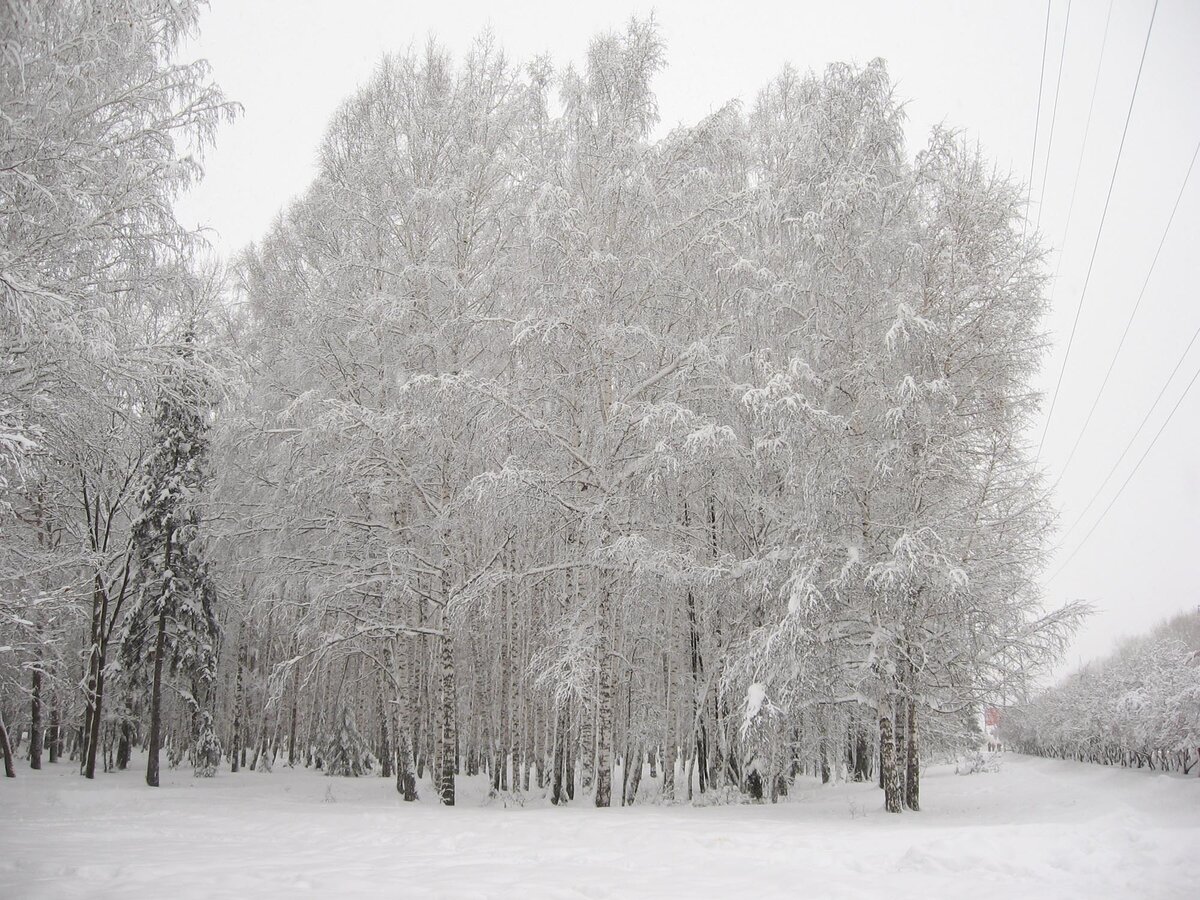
(346,752)
(174,611)
(206,750)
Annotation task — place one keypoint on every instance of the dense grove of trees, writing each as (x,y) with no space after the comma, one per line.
(98,286)
(1139,707)
(524,442)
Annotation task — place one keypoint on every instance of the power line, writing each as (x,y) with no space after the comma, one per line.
(1037,119)
(1099,231)
(1138,431)
(1137,305)
(1087,130)
(1128,478)
(1062,54)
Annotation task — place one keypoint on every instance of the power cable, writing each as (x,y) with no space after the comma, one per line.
(1128,478)
(1099,231)
(1037,119)
(1138,431)
(1137,305)
(1062,54)
(1087,130)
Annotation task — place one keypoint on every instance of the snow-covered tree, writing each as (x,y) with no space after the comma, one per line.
(174,611)
(102,128)
(346,752)
(1138,707)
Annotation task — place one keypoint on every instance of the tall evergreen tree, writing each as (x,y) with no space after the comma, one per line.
(176,596)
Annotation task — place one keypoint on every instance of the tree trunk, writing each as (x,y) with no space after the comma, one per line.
(570,749)
(862,755)
(449,736)
(406,779)
(880,761)
(55,733)
(95,706)
(701,754)
(633,774)
(824,747)
(10,770)
(912,780)
(504,734)
(261,763)
(385,742)
(887,762)
(560,740)
(35,720)
(292,724)
(604,715)
(239,701)
(668,766)
(156,703)
(124,746)
(587,749)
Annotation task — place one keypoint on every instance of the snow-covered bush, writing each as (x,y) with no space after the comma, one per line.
(725,795)
(977,761)
(346,751)
(208,749)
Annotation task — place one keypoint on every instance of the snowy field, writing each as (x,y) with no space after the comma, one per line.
(1037,828)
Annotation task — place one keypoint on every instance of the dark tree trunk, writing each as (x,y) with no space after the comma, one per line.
(697,676)
(585,752)
(824,751)
(156,702)
(449,736)
(887,763)
(406,778)
(495,764)
(292,724)
(604,714)
(35,721)
(95,708)
(862,756)
(239,700)
(55,734)
(670,755)
(570,750)
(6,748)
(633,774)
(124,747)
(385,744)
(260,751)
(912,779)
(560,740)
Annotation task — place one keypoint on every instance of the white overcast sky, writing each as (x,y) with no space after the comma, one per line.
(971,65)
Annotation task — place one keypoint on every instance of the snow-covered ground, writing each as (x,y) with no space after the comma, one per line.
(1036,828)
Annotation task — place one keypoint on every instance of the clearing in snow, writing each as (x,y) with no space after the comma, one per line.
(1036,828)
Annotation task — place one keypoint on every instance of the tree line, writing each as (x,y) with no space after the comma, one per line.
(1138,707)
(527,441)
